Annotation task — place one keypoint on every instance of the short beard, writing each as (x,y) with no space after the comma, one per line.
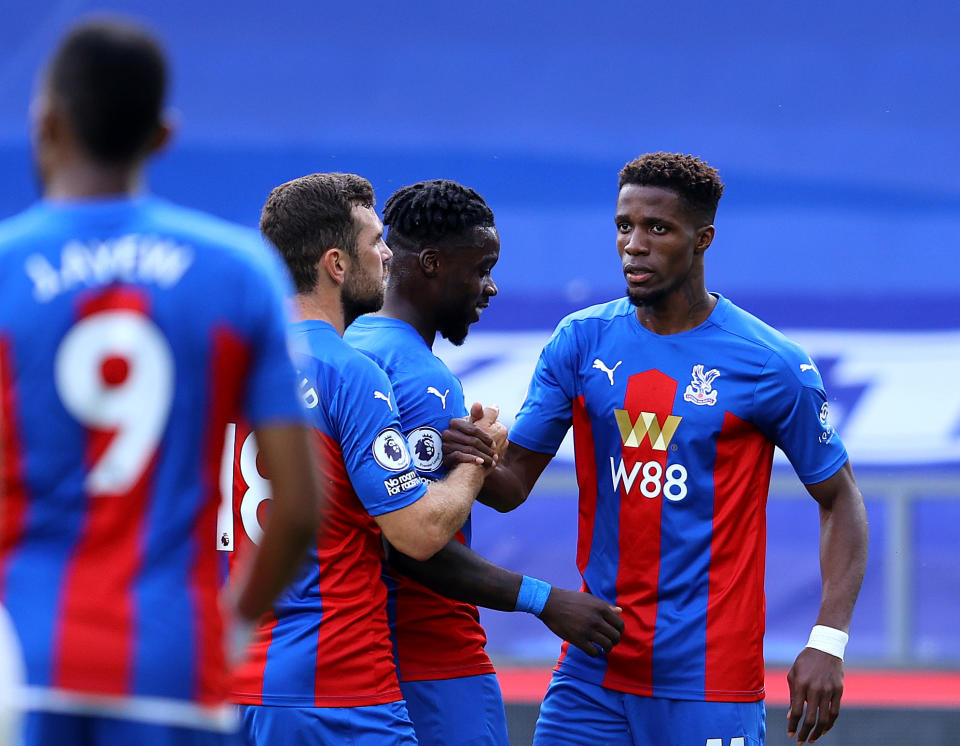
(647,301)
(356,304)
(652,298)
(455,334)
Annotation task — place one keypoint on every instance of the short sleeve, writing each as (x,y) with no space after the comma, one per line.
(547,411)
(375,452)
(795,415)
(271,396)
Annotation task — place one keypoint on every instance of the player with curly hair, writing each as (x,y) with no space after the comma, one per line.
(677,399)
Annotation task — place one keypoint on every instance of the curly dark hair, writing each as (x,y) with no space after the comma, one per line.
(110,78)
(697,182)
(306,217)
(432,212)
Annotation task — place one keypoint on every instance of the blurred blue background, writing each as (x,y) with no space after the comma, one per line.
(833,125)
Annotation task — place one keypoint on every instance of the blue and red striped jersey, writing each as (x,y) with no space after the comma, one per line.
(131,332)
(326,642)
(674,438)
(435,637)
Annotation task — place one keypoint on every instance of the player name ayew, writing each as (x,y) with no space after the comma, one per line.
(131,258)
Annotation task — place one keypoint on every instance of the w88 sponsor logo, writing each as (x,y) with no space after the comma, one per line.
(651,479)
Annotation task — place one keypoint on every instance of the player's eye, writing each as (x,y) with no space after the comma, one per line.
(658,229)
(623,227)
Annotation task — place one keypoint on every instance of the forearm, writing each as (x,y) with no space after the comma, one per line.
(843,558)
(421,529)
(503,490)
(456,571)
(450,501)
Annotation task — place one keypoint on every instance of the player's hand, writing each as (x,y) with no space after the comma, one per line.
(816,679)
(475,439)
(583,620)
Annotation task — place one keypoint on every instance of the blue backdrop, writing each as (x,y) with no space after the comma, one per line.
(833,125)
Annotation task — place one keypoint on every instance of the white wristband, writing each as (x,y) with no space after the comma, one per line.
(828,639)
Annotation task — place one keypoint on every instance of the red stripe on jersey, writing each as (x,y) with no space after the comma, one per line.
(736,607)
(13,492)
(94,643)
(585,456)
(229,364)
(354,653)
(117,298)
(639,565)
(93,649)
(353,663)
(437,637)
(586,461)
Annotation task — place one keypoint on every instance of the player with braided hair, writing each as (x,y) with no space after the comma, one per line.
(457,223)
(445,245)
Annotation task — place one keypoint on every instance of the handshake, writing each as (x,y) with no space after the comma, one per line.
(476,439)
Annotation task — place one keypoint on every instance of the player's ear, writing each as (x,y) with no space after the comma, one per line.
(335,262)
(705,236)
(429,261)
(161,138)
(47,123)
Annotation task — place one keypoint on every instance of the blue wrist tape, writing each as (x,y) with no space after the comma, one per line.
(532,596)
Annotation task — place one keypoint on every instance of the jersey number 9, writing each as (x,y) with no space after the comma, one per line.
(114,373)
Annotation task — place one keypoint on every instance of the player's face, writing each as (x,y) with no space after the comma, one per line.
(660,241)
(363,287)
(468,283)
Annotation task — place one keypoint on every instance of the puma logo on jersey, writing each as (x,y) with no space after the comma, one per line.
(385,397)
(599,365)
(808,366)
(436,392)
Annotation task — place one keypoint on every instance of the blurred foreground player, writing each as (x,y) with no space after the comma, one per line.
(677,399)
(321,668)
(445,245)
(11,682)
(131,330)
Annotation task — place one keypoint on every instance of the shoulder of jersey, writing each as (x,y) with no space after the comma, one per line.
(364,335)
(187,221)
(790,355)
(24,225)
(333,352)
(392,347)
(601,312)
(238,241)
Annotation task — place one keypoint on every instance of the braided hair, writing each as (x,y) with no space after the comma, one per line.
(697,183)
(433,211)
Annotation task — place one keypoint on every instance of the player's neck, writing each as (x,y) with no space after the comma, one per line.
(316,307)
(396,306)
(678,311)
(84,179)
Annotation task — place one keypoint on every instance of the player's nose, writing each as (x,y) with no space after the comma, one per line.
(635,245)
